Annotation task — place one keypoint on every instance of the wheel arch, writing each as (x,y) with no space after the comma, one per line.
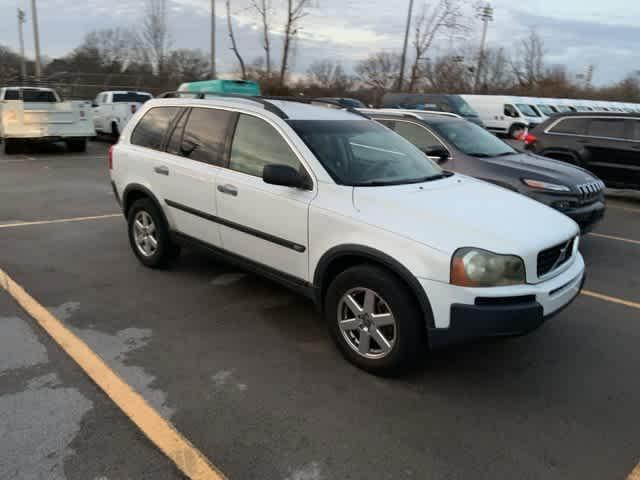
(342,257)
(136,191)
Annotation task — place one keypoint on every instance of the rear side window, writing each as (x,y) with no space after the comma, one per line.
(607,127)
(151,129)
(419,136)
(175,141)
(256,144)
(205,135)
(573,126)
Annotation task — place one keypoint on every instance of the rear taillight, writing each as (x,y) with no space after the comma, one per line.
(110,157)
(134,108)
(530,139)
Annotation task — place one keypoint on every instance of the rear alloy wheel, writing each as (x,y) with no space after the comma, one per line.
(149,236)
(77,145)
(11,146)
(374,320)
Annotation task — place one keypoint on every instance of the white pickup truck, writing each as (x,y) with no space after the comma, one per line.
(29,115)
(112,110)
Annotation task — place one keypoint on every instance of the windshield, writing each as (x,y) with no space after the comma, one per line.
(526,110)
(364,153)
(462,107)
(563,109)
(471,139)
(131,97)
(546,109)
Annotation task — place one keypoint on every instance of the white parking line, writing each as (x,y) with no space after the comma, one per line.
(613,237)
(628,209)
(60,220)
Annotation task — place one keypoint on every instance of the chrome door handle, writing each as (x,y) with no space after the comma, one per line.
(161,170)
(228,190)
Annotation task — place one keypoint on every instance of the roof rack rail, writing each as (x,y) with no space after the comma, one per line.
(311,100)
(415,113)
(270,107)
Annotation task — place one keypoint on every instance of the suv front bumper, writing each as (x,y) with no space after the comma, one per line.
(473,313)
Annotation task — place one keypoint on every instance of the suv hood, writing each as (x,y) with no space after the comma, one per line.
(460,211)
(542,168)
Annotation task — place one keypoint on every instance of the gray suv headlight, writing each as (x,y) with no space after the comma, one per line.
(474,267)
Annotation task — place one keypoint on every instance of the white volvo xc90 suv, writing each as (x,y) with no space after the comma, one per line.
(399,255)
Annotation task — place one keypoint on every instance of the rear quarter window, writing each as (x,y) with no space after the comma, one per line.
(607,128)
(572,126)
(152,127)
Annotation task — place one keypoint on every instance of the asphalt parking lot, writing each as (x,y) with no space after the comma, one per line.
(243,369)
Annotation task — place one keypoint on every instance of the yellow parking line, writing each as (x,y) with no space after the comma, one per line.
(613,237)
(161,432)
(635,475)
(60,220)
(607,298)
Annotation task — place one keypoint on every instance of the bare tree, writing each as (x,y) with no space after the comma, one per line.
(528,62)
(234,46)
(496,75)
(263,7)
(155,33)
(379,71)
(116,48)
(188,65)
(10,62)
(329,75)
(296,10)
(448,73)
(443,16)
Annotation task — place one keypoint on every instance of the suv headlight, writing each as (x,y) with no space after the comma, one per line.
(474,267)
(554,187)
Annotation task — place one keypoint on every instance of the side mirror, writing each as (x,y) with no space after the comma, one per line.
(284,175)
(187,147)
(440,153)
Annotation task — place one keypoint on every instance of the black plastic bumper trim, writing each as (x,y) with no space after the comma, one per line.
(472,322)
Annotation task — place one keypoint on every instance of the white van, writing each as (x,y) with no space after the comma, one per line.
(504,114)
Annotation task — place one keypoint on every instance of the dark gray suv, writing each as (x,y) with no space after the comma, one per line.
(466,148)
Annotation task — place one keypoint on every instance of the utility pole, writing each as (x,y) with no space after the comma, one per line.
(486,15)
(23,65)
(404,47)
(213,38)
(36,38)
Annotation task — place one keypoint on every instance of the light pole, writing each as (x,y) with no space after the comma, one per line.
(36,38)
(404,47)
(23,65)
(486,15)
(213,38)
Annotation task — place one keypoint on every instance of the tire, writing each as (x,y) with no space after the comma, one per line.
(77,145)
(11,146)
(164,251)
(514,129)
(115,132)
(406,338)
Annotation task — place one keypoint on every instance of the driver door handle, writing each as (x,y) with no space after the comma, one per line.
(161,170)
(228,190)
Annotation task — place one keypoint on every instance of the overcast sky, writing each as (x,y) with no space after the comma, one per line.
(577,33)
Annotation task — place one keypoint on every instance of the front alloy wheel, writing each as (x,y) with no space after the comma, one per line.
(375,320)
(367,323)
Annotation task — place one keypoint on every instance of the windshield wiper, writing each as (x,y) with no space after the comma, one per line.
(479,155)
(504,154)
(383,183)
